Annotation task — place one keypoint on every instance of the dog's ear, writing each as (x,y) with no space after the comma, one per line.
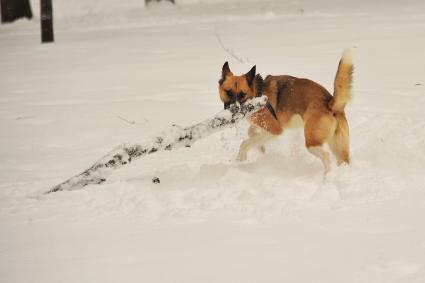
(225,72)
(258,85)
(250,76)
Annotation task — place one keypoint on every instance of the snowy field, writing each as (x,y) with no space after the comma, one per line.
(122,73)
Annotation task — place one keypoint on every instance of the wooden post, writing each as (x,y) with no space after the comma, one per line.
(46,12)
(4,11)
(12,10)
(147,2)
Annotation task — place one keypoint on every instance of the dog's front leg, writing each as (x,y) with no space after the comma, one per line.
(257,137)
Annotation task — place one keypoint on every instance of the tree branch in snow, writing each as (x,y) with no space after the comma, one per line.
(127,121)
(174,138)
(229,51)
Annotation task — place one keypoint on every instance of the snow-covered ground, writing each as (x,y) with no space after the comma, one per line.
(122,73)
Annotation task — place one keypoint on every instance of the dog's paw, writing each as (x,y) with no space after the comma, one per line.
(262,149)
(241,156)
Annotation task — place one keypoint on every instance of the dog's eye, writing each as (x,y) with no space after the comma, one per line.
(241,95)
(229,93)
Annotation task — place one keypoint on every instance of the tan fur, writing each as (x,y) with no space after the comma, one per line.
(322,114)
(237,84)
(339,143)
(342,83)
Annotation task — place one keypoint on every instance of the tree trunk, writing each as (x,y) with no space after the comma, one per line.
(174,138)
(147,2)
(46,12)
(12,10)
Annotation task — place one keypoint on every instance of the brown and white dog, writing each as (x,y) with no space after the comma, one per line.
(289,97)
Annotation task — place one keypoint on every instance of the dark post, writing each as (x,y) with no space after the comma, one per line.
(147,2)
(12,10)
(46,11)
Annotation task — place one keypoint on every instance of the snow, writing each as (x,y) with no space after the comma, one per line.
(211,219)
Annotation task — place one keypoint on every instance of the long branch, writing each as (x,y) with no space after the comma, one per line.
(174,138)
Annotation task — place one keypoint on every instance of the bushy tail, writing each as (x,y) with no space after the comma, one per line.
(342,83)
(340,142)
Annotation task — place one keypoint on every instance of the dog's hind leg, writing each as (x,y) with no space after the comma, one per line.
(321,153)
(319,127)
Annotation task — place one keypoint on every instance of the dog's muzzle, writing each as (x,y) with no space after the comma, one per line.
(227,104)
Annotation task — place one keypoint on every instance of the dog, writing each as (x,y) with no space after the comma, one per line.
(289,97)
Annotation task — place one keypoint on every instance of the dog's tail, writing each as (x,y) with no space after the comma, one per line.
(340,142)
(342,83)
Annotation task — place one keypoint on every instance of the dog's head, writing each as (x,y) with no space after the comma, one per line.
(238,88)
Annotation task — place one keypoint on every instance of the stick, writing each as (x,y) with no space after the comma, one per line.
(174,138)
(228,51)
(127,121)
